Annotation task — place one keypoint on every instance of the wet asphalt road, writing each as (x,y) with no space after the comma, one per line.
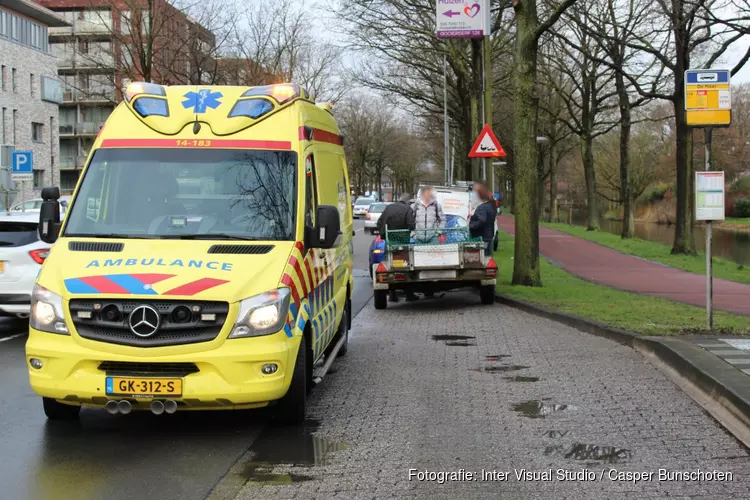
(181,456)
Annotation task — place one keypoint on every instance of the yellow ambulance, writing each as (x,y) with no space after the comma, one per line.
(205,261)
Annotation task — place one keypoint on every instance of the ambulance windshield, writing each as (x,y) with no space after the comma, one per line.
(186,194)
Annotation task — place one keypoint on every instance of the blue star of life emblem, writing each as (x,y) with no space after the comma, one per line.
(201,100)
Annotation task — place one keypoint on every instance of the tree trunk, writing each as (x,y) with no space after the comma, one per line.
(476,100)
(540,179)
(526,256)
(683,234)
(552,183)
(626,193)
(587,154)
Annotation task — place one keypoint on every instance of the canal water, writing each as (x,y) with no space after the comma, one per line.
(729,245)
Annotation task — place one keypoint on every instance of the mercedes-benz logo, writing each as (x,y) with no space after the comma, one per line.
(144,321)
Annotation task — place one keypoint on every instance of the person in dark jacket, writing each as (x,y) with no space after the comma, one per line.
(398,215)
(482,222)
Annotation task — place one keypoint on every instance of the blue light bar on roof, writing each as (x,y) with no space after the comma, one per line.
(252,108)
(151,106)
(137,88)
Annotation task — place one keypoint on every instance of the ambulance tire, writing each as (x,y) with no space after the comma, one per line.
(380,297)
(291,408)
(60,411)
(344,329)
(487,294)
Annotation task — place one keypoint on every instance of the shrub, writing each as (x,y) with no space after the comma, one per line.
(742,207)
(740,185)
(656,192)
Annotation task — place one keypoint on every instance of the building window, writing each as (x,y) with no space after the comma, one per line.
(32,85)
(38,178)
(37,132)
(5,112)
(2,76)
(15,114)
(13,80)
(68,179)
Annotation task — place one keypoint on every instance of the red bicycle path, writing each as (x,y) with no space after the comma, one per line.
(605,266)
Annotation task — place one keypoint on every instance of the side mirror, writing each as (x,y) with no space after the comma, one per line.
(327,230)
(49,215)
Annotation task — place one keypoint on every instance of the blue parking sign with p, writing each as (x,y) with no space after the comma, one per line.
(22,162)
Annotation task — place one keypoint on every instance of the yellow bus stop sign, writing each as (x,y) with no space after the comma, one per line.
(708,97)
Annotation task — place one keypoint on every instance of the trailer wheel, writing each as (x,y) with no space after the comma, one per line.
(487,294)
(381,299)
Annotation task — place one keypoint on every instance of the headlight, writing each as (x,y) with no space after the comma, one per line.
(47,312)
(262,314)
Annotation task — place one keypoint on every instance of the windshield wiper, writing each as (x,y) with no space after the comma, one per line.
(211,236)
(113,235)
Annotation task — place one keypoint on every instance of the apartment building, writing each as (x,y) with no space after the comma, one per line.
(103,49)
(29,96)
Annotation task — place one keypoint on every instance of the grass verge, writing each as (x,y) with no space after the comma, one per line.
(657,252)
(566,293)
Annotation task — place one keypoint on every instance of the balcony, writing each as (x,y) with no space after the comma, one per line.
(101,95)
(95,27)
(88,128)
(68,162)
(80,27)
(67,130)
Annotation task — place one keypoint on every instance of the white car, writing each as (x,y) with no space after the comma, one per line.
(372,216)
(22,254)
(35,205)
(360,206)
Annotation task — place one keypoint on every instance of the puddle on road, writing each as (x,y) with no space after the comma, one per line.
(496,357)
(445,338)
(456,340)
(591,453)
(519,378)
(286,446)
(500,368)
(539,408)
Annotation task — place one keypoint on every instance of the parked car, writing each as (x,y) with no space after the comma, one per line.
(361,206)
(35,205)
(372,216)
(22,254)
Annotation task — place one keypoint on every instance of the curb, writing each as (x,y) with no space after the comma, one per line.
(721,384)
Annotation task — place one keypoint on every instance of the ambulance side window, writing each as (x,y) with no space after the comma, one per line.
(311,198)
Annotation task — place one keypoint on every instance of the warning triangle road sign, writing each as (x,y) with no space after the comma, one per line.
(487,145)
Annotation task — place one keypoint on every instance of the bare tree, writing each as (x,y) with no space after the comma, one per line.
(529,29)
(279,45)
(592,88)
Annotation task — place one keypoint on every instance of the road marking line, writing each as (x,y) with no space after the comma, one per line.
(360,229)
(5,339)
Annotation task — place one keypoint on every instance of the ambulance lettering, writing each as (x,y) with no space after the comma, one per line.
(212,265)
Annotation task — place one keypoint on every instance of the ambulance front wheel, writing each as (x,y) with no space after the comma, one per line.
(380,298)
(60,411)
(291,408)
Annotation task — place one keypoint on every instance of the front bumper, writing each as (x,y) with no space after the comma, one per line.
(230,375)
(15,304)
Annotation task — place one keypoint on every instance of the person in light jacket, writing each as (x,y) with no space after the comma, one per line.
(428,214)
(482,222)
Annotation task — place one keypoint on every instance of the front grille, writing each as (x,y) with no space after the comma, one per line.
(116,330)
(126,368)
(241,249)
(95,246)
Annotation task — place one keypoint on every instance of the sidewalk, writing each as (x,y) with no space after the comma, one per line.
(608,267)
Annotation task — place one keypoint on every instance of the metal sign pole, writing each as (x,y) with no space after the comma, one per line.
(446,152)
(484,104)
(709,268)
